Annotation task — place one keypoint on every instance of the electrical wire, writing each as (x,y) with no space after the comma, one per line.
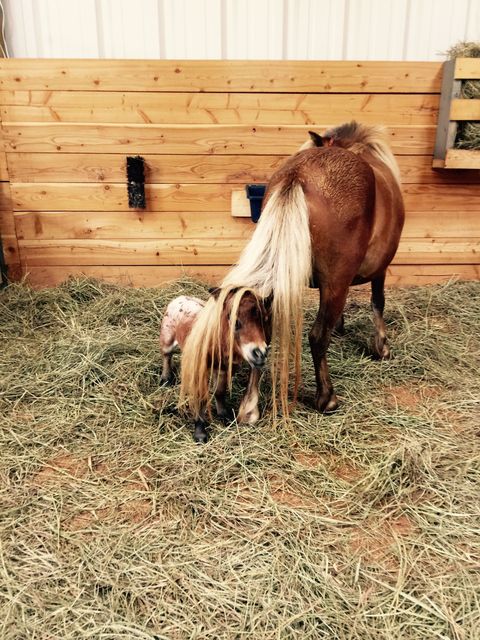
(3,44)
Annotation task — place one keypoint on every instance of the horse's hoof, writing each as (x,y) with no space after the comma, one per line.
(327,404)
(386,354)
(382,352)
(167,382)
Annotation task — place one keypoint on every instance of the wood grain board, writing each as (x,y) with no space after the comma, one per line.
(208,251)
(216,108)
(206,197)
(51,225)
(235,169)
(464,109)
(106,167)
(189,139)
(467,69)
(266,76)
(156,276)
(463,159)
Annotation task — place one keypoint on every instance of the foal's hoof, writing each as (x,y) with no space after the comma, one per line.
(167,382)
(326,403)
(248,417)
(200,435)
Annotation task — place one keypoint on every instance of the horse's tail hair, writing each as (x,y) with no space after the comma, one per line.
(277,262)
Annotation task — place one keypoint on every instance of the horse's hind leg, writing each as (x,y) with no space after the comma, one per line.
(378,303)
(331,307)
(339,328)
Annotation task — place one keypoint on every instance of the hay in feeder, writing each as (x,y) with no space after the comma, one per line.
(114,524)
(468,133)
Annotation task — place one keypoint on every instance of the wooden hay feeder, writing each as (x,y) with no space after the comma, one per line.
(455,109)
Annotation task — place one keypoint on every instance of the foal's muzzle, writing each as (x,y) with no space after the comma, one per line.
(258,357)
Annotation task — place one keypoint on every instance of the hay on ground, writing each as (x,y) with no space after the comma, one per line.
(114,524)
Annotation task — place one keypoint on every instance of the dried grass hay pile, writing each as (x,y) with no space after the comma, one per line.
(114,524)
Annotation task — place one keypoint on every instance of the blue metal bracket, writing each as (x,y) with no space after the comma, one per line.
(255,194)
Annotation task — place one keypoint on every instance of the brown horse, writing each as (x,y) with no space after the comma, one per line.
(332,216)
(241,334)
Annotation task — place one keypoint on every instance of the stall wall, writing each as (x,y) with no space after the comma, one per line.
(204,129)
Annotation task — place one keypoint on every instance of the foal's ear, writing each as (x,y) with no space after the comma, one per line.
(214,292)
(316,139)
(267,303)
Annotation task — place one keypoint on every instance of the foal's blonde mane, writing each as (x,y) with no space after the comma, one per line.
(202,352)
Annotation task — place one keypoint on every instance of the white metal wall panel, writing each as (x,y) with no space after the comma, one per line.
(192,30)
(254,29)
(52,28)
(375,29)
(435,25)
(315,30)
(127,29)
(473,21)
(268,29)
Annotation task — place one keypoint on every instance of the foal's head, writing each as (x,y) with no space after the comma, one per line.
(249,321)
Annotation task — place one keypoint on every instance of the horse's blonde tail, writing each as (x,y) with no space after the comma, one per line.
(278,262)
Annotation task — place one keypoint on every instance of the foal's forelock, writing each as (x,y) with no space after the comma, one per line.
(209,344)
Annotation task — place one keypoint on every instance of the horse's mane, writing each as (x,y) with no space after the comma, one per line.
(204,349)
(362,138)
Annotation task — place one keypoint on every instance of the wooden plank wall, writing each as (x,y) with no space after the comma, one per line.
(204,128)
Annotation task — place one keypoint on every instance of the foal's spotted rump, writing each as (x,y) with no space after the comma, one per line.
(178,321)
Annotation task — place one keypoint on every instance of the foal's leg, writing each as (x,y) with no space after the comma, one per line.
(248,411)
(200,433)
(167,373)
(220,393)
(331,307)
(378,304)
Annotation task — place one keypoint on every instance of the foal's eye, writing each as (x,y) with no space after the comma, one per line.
(238,325)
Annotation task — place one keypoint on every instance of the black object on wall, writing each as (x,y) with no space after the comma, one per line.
(255,194)
(136,182)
